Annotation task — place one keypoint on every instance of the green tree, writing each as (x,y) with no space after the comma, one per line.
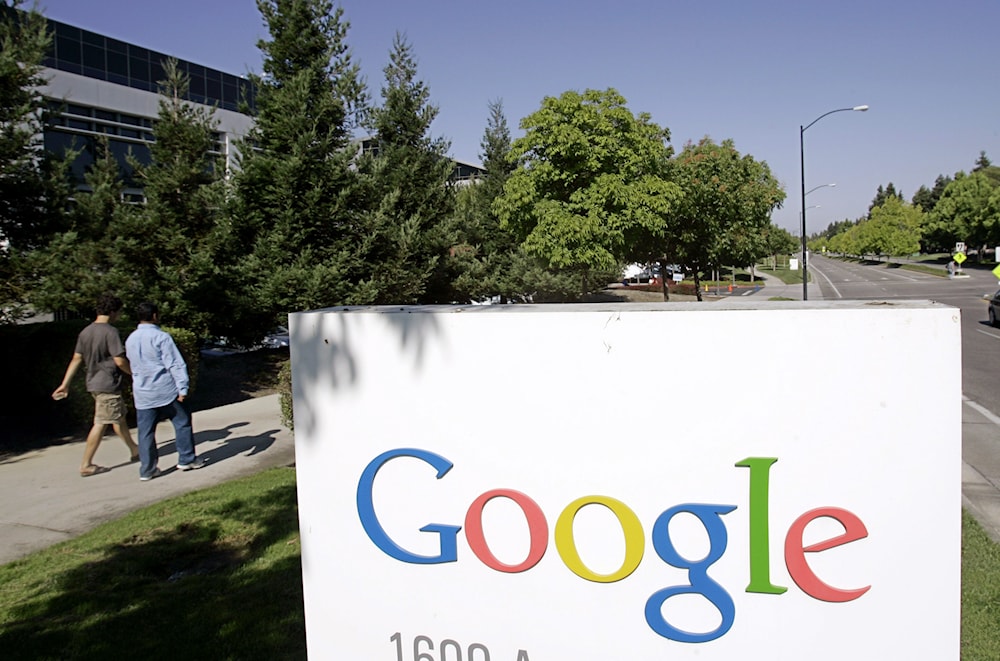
(982,162)
(926,198)
(78,264)
(33,186)
(934,238)
(893,229)
(964,211)
(489,248)
(883,194)
(297,209)
(165,250)
(779,241)
(727,204)
(410,231)
(587,193)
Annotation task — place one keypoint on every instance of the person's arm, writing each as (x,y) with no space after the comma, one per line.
(174,362)
(123,364)
(74,365)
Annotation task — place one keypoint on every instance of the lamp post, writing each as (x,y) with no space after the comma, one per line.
(802,169)
(818,187)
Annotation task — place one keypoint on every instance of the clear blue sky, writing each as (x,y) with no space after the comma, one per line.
(749,70)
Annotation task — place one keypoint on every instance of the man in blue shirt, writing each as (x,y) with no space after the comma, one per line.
(159,388)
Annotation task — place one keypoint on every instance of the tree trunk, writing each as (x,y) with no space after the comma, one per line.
(663,280)
(697,283)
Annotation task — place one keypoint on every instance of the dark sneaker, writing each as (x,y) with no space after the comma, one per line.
(193,466)
(147,478)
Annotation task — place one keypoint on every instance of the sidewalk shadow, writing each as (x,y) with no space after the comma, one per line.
(231,446)
(240,445)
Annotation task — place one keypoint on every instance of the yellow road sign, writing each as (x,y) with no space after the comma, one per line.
(959,257)
(996,272)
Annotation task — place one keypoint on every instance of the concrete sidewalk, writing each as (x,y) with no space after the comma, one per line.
(774,287)
(43,500)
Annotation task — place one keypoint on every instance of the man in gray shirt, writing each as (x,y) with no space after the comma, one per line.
(99,347)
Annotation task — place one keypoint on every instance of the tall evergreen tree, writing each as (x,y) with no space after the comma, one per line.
(410,231)
(77,265)
(882,195)
(490,249)
(33,188)
(166,248)
(296,214)
(982,162)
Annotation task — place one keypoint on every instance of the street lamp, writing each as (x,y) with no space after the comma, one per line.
(818,187)
(802,166)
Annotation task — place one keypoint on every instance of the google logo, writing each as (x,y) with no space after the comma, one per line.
(699,582)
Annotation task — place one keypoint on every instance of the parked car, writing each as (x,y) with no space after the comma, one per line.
(994,312)
(277,338)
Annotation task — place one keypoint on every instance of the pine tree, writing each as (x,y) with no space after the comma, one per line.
(166,248)
(410,230)
(297,208)
(982,162)
(487,250)
(78,264)
(33,186)
(883,194)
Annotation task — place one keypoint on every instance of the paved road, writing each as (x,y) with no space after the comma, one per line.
(980,360)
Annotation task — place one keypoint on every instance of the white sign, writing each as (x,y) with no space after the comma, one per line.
(793,264)
(475,484)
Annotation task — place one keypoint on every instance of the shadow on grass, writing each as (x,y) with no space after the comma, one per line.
(209,589)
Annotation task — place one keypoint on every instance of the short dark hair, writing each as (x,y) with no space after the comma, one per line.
(108,304)
(145,311)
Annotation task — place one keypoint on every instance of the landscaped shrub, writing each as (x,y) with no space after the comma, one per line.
(285,394)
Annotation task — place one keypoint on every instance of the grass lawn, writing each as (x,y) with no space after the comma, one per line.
(216,574)
(783,273)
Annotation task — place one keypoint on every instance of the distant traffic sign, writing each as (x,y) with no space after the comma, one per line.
(959,257)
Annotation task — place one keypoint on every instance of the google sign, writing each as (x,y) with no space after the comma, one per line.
(709,515)
(523,483)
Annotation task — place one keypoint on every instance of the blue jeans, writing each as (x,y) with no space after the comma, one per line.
(178,413)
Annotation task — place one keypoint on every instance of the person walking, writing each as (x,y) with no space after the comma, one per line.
(159,388)
(99,349)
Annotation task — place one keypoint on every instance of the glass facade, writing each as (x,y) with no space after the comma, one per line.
(75,127)
(93,55)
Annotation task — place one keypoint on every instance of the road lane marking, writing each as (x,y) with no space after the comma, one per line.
(980,330)
(982,410)
(829,281)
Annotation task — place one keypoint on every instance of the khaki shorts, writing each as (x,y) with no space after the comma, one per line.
(109,408)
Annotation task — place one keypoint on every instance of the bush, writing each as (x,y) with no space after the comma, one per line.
(285,394)
(683,288)
(34,357)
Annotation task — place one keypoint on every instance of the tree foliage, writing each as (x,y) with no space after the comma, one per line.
(409,234)
(296,214)
(587,191)
(489,250)
(161,250)
(168,246)
(883,194)
(33,186)
(893,229)
(726,206)
(969,210)
(80,263)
